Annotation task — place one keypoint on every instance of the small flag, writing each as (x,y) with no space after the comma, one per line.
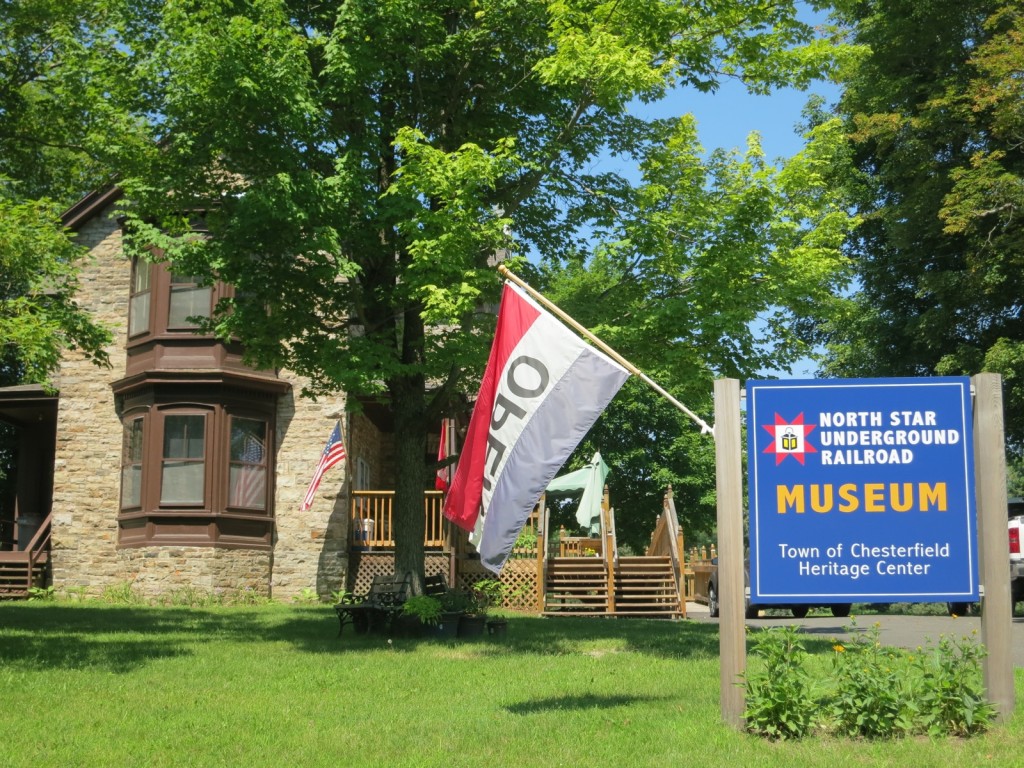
(542,391)
(249,488)
(443,473)
(334,452)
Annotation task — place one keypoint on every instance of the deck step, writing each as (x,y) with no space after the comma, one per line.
(644,586)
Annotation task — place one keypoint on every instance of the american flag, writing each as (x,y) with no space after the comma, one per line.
(250,487)
(333,453)
(444,474)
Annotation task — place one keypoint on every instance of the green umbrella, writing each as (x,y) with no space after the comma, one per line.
(589,480)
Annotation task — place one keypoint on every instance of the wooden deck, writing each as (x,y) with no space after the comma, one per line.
(586,578)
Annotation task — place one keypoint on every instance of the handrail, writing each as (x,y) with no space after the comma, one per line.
(42,532)
(371,523)
(666,540)
(36,546)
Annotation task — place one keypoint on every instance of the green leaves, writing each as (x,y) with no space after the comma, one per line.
(38,279)
(931,104)
(872,691)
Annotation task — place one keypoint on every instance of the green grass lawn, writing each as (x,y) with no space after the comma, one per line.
(104,685)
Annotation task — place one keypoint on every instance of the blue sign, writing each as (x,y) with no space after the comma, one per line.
(861,490)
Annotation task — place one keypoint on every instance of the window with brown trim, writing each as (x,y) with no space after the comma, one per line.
(139,299)
(183,466)
(195,473)
(247,475)
(188,300)
(131,464)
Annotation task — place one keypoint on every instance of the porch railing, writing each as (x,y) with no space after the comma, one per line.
(371,524)
(667,541)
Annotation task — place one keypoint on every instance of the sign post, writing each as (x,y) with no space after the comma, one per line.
(729,490)
(997,608)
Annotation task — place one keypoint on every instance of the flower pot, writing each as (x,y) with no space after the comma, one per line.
(448,627)
(471,626)
(497,627)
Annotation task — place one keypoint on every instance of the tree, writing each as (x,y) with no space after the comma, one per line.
(357,167)
(61,115)
(705,268)
(934,117)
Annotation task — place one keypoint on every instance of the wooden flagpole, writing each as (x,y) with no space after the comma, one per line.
(506,273)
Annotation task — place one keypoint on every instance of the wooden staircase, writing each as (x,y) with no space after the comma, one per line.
(643,586)
(576,585)
(20,570)
(18,574)
(646,586)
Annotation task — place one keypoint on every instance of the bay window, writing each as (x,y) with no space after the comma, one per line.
(188,299)
(131,464)
(196,466)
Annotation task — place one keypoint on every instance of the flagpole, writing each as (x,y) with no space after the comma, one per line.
(505,272)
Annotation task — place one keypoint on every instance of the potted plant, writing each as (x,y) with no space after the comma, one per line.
(423,609)
(474,614)
(491,592)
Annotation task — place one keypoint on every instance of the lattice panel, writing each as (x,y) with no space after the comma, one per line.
(519,576)
(363,566)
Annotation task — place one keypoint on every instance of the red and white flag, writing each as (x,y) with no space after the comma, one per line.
(542,391)
(333,453)
(444,474)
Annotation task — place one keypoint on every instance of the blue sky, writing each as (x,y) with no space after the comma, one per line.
(725,118)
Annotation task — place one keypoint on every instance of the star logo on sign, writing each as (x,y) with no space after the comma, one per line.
(789,438)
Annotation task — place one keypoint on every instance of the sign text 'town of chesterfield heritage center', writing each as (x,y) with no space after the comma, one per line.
(861,490)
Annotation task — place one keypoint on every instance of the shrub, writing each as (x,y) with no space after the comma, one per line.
(868,700)
(951,692)
(780,704)
(425,608)
(873,691)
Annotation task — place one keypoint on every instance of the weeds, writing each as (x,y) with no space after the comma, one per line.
(872,691)
(41,593)
(867,701)
(779,700)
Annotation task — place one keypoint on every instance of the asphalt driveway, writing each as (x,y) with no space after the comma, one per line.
(896,629)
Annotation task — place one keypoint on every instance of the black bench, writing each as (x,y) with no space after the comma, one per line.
(377,608)
(435,586)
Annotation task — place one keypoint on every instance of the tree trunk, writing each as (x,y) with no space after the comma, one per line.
(409,404)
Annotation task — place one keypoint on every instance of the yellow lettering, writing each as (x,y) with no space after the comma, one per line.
(821,498)
(848,493)
(932,495)
(901,503)
(790,498)
(873,497)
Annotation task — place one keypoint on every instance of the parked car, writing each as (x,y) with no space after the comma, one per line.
(751,611)
(1015,526)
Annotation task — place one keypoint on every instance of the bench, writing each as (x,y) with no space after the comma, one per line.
(378,607)
(435,586)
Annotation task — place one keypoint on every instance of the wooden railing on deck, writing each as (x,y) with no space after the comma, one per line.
(667,541)
(372,525)
(700,566)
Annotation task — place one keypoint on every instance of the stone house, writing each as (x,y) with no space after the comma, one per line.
(179,467)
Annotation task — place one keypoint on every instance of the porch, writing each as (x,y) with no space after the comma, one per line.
(555,574)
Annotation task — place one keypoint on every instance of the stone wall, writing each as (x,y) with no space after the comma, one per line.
(86,477)
(309,546)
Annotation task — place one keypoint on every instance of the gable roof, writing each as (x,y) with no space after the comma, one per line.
(79,214)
